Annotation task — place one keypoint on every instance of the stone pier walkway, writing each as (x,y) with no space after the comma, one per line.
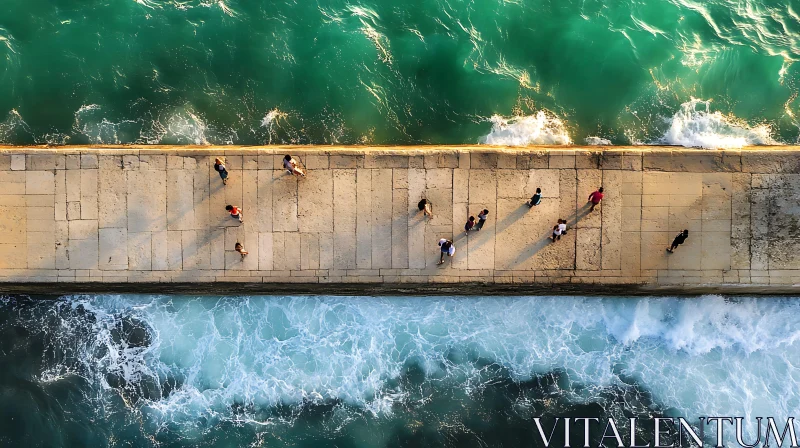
(158,215)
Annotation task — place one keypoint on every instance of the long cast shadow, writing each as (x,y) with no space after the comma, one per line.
(532,249)
(500,226)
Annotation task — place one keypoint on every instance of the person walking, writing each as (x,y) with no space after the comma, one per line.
(557,232)
(219,166)
(469,225)
(679,239)
(446,247)
(536,199)
(482,219)
(426,207)
(562,226)
(239,248)
(595,198)
(291,166)
(235,212)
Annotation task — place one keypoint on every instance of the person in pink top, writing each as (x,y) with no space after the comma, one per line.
(595,198)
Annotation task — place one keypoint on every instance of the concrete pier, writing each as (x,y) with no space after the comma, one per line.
(157,214)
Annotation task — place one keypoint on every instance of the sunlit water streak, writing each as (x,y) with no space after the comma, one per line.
(425,71)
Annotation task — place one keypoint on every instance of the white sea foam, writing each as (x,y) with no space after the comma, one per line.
(694,125)
(12,126)
(182,126)
(542,128)
(185,126)
(597,141)
(702,357)
(272,117)
(89,121)
(275,122)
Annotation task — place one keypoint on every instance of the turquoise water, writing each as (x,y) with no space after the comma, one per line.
(172,371)
(392,72)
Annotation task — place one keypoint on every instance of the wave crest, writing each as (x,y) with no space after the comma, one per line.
(542,128)
(193,357)
(597,141)
(695,126)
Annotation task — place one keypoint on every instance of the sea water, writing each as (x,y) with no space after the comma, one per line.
(712,73)
(146,370)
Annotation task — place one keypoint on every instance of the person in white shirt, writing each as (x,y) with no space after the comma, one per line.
(291,166)
(240,248)
(482,219)
(557,232)
(446,247)
(562,226)
(559,229)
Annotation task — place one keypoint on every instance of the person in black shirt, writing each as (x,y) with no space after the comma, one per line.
(678,241)
(219,166)
(536,199)
(426,207)
(446,248)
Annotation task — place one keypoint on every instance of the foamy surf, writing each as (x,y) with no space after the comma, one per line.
(13,126)
(181,359)
(542,128)
(597,141)
(696,126)
(177,126)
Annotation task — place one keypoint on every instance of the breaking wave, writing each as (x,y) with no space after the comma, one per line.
(180,359)
(542,128)
(597,141)
(180,126)
(696,126)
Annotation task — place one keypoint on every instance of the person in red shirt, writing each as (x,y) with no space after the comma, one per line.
(469,225)
(595,198)
(235,212)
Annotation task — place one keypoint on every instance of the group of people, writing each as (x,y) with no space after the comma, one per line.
(446,246)
(470,225)
(289,163)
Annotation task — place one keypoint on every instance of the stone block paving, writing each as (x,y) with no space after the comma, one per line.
(158,215)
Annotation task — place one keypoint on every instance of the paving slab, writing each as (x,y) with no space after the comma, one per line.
(41,250)
(364,218)
(180,199)
(284,202)
(265,253)
(112,200)
(399,229)
(113,249)
(146,201)
(89,195)
(344,220)
(40,182)
(381,226)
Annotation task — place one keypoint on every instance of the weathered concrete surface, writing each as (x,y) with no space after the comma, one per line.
(157,214)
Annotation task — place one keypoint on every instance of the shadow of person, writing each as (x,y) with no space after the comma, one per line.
(500,227)
(531,251)
(579,214)
(512,217)
(540,244)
